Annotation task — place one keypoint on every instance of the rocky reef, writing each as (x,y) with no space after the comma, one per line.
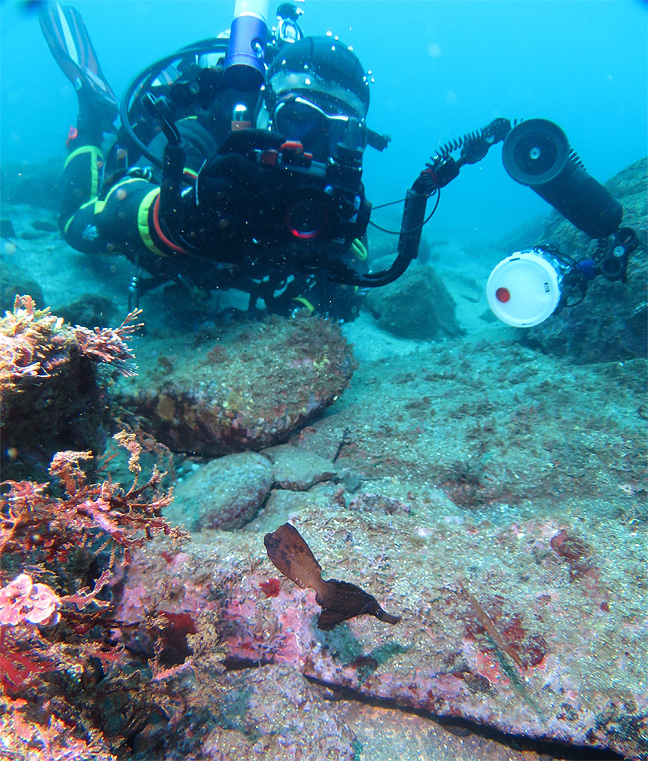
(496,519)
(50,392)
(610,324)
(491,495)
(418,305)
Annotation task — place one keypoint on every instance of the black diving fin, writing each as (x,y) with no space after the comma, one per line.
(72,48)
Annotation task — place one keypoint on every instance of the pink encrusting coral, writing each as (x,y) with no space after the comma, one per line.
(24,601)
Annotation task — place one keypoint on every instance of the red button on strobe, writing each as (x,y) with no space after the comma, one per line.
(502,294)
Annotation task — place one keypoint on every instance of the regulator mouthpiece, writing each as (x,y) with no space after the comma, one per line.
(525,288)
(287,27)
(245,67)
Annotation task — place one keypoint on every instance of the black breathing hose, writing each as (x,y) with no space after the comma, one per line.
(141,85)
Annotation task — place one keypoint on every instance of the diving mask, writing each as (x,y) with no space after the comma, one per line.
(318,131)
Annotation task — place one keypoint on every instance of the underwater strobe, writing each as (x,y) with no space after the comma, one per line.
(530,285)
(245,60)
(526,287)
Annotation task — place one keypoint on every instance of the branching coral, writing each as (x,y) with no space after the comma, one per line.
(62,534)
(49,528)
(57,646)
(24,740)
(108,345)
(34,342)
(51,391)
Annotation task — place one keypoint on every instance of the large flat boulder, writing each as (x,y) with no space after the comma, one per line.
(245,385)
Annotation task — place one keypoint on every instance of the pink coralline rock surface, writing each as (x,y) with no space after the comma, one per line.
(582,647)
(505,522)
(238,386)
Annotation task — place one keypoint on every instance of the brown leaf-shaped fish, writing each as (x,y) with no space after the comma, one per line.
(340,600)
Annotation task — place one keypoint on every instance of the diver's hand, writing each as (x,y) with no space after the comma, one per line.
(214,219)
(235,197)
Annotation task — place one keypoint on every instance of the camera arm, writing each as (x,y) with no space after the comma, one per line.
(443,168)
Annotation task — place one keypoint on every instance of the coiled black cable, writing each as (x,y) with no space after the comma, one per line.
(576,159)
(491,133)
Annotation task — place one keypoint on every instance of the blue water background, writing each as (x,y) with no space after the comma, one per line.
(441,69)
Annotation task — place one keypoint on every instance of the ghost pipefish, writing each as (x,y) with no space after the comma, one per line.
(339,600)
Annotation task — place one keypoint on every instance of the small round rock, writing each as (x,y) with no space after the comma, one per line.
(224,494)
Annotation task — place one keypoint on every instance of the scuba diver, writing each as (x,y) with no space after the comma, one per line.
(211,183)
(237,164)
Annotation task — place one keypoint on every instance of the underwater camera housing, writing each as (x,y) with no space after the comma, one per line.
(318,208)
(309,212)
(306,214)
